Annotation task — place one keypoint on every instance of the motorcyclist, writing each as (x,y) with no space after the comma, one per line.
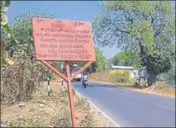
(84,77)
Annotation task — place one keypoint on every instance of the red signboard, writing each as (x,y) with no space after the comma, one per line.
(63,40)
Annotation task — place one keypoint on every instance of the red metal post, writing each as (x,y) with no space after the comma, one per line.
(46,63)
(70,93)
(67,78)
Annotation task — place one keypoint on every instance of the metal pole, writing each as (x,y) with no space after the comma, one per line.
(49,87)
(70,93)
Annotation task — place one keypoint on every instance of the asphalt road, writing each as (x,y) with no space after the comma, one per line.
(129,108)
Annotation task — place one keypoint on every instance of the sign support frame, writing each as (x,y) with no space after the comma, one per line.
(68,79)
(70,94)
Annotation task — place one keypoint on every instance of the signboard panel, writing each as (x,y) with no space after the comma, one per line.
(63,40)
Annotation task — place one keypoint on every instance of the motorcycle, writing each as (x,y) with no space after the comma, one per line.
(85,83)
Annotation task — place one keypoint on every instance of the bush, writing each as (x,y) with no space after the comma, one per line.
(168,77)
(121,76)
(20,80)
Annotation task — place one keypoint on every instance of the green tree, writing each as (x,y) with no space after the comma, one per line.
(100,60)
(6,30)
(144,27)
(126,58)
(22,28)
(4,20)
(169,77)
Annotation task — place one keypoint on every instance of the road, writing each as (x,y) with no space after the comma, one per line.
(129,108)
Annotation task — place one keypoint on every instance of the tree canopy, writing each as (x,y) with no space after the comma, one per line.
(6,31)
(144,27)
(100,60)
(126,58)
(22,31)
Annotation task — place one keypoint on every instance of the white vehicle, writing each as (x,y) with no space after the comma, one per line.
(74,70)
(78,77)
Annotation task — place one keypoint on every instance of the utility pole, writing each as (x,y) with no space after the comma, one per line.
(107,70)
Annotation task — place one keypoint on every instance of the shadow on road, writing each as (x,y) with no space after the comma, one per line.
(105,85)
(95,85)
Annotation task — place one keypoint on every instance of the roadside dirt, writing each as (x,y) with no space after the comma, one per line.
(165,91)
(44,111)
(159,90)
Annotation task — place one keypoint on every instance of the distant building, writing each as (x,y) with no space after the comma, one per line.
(133,72)
(122,67)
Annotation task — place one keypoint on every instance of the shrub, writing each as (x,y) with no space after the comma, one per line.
(168,77)
(121,76)
(20,80)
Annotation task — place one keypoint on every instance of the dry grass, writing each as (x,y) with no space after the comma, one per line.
(44,111)
(160,90)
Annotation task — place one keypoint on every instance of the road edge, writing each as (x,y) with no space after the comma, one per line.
(133,89)
(98,109)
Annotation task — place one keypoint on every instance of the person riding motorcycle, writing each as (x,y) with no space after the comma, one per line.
(84,78)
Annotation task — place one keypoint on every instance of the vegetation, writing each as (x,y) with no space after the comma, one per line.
(6,31)
(169,77)
(53,110)
(126,58)
(120,76)
(20,80)
(88,121)
(100,60)
(26,74)
(144,27)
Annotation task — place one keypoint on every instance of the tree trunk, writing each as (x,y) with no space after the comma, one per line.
(151,79)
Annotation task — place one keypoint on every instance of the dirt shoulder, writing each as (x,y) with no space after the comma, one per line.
(53,111)
(103,77)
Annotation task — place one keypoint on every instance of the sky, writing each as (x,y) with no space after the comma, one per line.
(70,10)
